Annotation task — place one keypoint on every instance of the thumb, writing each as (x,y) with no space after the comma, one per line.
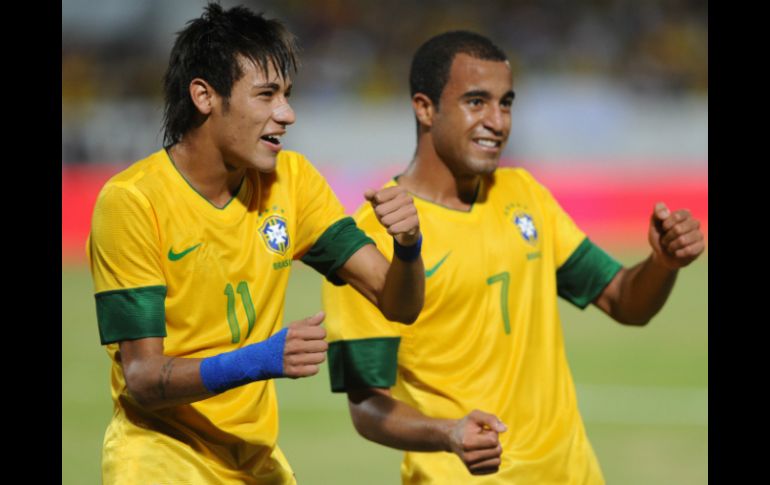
(369,195)
(661,211)
(489,420)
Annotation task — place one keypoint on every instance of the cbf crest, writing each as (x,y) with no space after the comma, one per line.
(523,221)
(526,226)
(275,234)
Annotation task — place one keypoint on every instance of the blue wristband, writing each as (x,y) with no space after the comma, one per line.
(407,253)
(255,362)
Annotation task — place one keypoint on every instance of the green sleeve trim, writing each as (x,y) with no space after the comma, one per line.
(131,314)
(363,363)
(585,274)
(335,246)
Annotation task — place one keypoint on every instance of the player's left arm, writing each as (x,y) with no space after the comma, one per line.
(636,294)
(396,288)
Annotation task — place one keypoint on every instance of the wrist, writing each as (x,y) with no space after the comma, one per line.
(661,262)
(255,362)
(409,252)
(446,428)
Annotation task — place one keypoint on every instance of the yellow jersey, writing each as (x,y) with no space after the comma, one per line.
(489,335)
(168,263)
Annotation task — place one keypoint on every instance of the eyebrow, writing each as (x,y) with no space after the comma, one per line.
(272,86)
(480,93)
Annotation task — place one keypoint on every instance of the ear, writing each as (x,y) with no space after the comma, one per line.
(203,95)
(424,109)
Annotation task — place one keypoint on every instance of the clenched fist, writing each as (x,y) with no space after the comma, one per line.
(675,237)
(475,440)
(395,210)
(305,347)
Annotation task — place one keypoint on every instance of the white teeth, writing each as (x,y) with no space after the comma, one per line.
(488,143)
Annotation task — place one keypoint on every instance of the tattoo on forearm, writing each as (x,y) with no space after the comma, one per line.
(165,377)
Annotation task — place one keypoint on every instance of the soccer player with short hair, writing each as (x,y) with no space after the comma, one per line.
(190,251)
(478,389)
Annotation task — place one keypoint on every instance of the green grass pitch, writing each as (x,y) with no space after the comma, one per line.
(642,392)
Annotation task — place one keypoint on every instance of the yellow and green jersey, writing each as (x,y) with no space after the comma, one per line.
(489,335)
(168,263)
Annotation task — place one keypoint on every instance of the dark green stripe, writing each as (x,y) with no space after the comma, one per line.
(335,246)
(131,314)
(585,274)
(362,363)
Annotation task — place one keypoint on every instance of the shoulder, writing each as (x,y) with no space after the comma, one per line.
(291,162)
(514,176)
(295,170)
(134,184)
(519,181)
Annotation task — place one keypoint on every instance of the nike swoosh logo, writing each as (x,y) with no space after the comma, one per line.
(429,272)
(177,256)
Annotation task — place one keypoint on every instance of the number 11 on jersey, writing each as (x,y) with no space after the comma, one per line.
(232,320)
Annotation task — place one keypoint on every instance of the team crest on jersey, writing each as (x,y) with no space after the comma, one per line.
(526,226)
(274,233)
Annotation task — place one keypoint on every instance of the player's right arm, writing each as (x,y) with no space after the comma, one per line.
(130,292)
(156,380)
(379,417)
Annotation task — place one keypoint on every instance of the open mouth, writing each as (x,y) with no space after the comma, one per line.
(273,140)
(487,142)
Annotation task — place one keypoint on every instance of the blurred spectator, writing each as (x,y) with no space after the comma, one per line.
(112,54)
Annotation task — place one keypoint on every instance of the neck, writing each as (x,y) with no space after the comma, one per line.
(206,170)
(430,178)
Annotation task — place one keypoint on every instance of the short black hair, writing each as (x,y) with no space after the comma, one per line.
(208,48)
(433,60)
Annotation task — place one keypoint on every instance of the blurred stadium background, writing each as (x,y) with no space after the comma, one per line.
(611,114)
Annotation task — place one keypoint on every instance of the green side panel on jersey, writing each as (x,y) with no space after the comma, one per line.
(335,246)
(362,363)
(131,314)
(585,274)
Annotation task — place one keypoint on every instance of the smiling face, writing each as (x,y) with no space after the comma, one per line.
(473,120)
(247,128)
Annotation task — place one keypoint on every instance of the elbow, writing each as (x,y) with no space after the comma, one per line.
(402,317)
(402,313)
(140,389)
(363,425)
(630,316)
(359,425)
(635,320)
